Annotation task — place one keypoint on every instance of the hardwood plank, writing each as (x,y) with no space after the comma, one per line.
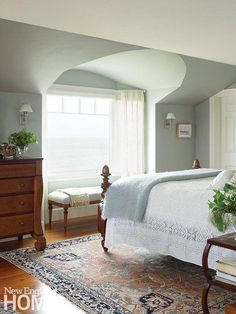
(12,276)
(230,308)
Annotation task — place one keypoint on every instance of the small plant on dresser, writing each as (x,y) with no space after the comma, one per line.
(21,140)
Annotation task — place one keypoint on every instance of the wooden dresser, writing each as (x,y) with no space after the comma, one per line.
(21,190)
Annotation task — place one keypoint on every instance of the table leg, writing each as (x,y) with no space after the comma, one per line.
(204,298)
(208,278)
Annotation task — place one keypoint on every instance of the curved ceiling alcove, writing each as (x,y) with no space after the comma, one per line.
(34,57)
(147,69)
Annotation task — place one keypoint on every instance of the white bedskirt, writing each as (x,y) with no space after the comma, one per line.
(176,223)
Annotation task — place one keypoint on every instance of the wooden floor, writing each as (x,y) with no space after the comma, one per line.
(13,277)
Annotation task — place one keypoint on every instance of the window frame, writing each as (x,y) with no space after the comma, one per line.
(77,91)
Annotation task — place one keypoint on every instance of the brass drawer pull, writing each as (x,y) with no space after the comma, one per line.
(22,185)
(21,223)
(22,203)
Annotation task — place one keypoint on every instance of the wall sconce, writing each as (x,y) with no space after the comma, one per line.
(168,120)
(24,112)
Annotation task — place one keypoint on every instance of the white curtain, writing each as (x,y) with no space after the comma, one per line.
(128,134)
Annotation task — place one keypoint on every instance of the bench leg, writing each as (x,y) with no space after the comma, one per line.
(50,214)
(65,218)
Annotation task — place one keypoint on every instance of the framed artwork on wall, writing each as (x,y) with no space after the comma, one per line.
(184,130)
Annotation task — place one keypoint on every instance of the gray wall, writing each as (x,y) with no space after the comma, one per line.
(202,114)
(203,79)
(89,79)
(173,153)
(84,78)
(10,104)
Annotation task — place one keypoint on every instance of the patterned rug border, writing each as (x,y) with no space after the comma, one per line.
(116,308)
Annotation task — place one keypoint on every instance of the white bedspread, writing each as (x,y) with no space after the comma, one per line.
(176,223)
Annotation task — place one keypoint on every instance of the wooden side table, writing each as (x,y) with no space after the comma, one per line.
(230,308)
(226,241)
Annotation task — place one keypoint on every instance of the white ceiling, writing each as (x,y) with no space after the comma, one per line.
(146,69)
(203,28)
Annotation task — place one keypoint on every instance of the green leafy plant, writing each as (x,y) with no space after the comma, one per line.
(22,139)
(223,207)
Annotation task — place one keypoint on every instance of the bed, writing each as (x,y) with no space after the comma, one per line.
(176,221)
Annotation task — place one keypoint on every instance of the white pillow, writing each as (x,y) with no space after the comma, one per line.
(220,180)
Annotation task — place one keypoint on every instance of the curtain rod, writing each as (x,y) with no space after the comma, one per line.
(132,90)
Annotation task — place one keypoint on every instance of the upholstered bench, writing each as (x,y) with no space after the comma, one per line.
(59,198)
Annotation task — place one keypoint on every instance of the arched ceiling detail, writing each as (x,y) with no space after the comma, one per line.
(147,69)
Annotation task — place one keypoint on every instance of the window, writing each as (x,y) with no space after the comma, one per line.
(78,135)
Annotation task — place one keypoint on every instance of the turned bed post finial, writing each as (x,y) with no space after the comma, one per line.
(105,181)
(196,164)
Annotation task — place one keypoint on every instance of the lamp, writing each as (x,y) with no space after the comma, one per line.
(24,112)
(168,120)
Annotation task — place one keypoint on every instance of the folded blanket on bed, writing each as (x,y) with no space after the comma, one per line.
(127,197)
(77,197)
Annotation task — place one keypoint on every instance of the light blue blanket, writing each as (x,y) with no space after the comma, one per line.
(127,197)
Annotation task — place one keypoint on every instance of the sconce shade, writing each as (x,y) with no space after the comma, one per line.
(170,116)
(24,113)
(168,120)
(26,108)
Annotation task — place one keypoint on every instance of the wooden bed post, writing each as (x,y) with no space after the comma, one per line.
(101,222)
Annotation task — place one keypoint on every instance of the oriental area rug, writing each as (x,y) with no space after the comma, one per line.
(125,280)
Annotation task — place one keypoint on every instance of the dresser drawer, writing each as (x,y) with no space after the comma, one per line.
(13,225)
(16,204)
(23,185)
(17,170)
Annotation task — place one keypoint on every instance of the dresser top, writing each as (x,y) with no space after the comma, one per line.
(18,160)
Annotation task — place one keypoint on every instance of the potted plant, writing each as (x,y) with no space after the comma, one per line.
(22,140)
(223,207)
